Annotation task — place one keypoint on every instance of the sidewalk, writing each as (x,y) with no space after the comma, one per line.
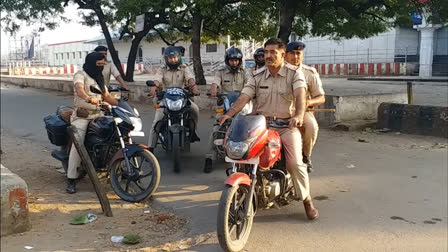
(402,78)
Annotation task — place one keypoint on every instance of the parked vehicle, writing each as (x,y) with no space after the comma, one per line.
(134,171)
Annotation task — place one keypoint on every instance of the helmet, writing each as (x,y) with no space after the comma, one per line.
(234,53)
(172,51)
(259,52)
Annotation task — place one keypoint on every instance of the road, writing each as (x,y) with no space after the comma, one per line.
(386,194)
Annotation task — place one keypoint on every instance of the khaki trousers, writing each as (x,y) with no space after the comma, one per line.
(74,160)
(309,132)
(211,145)
(152,139)
(292,147)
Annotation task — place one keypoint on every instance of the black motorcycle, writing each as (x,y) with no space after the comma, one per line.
(134,171)
(176,130)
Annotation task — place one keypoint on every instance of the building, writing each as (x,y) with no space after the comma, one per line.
(397,45)
(73,52)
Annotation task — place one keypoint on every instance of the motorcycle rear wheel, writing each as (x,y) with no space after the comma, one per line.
(233,227)
(135,189)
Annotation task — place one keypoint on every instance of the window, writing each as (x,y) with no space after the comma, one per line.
(80,55)
(68,55)
(163,50)
(211,48)
(62,56)
(73,55)
(56,55)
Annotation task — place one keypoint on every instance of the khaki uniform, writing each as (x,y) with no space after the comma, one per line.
(109,70)
(227,81)
(169,79)
(310,127)
(275,99)
(81,123)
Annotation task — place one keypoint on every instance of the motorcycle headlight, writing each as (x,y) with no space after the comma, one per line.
(137,123)
(236,150)
(174,105)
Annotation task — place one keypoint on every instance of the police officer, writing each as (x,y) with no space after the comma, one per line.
(110,69)
(315,96)
(229,78)
(173,74)
(258,59)
(280,89)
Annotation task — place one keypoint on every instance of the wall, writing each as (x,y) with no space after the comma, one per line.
(441,42)
(79,49)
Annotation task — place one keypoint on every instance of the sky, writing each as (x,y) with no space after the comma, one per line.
(65,32)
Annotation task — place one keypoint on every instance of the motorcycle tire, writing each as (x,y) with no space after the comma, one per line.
(117,172)
(226,209)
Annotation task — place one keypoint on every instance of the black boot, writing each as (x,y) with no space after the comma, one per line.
(208,165)
(309,165)
(71,186)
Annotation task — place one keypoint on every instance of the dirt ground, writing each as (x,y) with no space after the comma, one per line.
(51,210)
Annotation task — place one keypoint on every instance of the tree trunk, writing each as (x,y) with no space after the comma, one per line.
(113,53)
(287,12)
(130,66)
(196,46)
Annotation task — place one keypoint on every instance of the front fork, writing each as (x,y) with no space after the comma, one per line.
(129,170)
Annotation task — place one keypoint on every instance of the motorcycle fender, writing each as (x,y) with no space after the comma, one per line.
(130,150)
(238,178)
(176,128)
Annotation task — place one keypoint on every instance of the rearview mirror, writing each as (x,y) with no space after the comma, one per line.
(95,90)
(150,83)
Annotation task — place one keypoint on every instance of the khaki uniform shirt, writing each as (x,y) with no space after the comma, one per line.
(84,78)
(229,81)
(313,82)
(250,70)
(109,70)
(275,95)
(169,78)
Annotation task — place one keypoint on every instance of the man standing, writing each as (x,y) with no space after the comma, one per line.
(315,96)
(280,90)
(110,69)
(230,78)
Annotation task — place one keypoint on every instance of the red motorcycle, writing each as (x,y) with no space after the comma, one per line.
(258,177)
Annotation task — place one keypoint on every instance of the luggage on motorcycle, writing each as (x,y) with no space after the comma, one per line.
(56,130)
(272,150)
(65,112)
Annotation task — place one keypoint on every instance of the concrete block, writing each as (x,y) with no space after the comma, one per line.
(354,107)
(414,119)
(14,203)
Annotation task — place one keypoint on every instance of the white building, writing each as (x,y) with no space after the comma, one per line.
(73,52)
(397,45)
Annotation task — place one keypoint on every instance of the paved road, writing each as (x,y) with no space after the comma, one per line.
(389,194)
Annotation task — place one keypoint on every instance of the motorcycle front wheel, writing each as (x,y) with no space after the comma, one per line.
(145,182)
(233,227)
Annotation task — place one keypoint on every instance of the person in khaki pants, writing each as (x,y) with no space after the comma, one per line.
(315,97)
(86,108)
(280,89)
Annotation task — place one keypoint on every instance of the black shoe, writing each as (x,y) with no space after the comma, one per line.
(309,165)
(194,138)
(208,165)
(71,186)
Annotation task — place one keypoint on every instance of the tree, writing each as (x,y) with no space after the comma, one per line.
(349,18)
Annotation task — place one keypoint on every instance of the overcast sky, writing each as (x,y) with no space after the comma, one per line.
(65,32)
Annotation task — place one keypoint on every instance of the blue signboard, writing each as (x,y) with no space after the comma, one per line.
(416,18)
